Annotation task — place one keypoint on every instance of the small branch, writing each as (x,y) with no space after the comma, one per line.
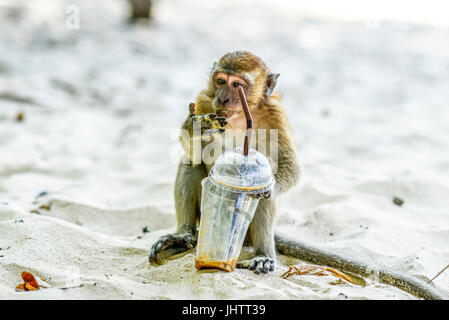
(444,269)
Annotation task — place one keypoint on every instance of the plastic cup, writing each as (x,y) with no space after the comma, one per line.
(228,206)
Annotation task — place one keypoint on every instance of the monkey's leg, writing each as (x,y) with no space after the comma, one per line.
(261,231)
(187,203)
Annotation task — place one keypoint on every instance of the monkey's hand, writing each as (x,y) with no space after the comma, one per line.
(258,264)
(211,123)
(170,245)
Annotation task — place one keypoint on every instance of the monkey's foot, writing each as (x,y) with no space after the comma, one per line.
(258,264)
(170,245)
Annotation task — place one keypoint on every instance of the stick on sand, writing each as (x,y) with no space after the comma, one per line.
(444,269)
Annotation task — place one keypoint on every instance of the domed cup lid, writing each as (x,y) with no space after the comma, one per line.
(240,173)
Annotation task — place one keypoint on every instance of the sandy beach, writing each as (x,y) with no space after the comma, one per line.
(87,170)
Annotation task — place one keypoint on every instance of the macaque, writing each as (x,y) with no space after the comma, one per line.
(218,108)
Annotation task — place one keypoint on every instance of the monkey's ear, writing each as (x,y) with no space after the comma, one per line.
(270,83)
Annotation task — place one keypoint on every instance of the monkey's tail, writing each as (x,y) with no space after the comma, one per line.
(324,257)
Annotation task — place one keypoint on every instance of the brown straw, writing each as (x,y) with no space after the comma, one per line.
(249,119)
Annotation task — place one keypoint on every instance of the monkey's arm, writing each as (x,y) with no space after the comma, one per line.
(203,103)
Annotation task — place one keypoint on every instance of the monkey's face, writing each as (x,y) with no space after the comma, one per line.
(226,101)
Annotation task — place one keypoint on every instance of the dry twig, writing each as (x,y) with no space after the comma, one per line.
(315,270)
(444,269)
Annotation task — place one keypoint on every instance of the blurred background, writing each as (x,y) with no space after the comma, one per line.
(90,102)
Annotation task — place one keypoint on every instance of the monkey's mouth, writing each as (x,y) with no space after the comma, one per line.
(228,112)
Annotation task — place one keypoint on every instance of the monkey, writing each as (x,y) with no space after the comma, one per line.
(218,107)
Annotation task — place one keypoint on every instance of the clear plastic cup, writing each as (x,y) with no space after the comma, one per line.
(228,206)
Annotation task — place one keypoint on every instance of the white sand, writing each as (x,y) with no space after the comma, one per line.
(370,117)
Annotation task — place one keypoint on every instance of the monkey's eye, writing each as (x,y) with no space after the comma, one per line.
(221,81)
(236,84)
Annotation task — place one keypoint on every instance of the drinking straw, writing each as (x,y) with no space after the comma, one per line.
(249,126)
(249,119)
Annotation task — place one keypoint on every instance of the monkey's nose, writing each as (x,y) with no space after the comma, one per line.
(223,102)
